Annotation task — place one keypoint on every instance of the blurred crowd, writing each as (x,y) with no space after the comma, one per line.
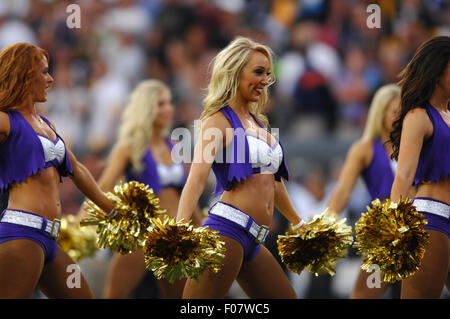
(328,64)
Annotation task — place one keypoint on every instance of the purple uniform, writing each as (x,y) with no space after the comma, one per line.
(379,175)
(24,153)
(157,175)
(245,156)
(433,166)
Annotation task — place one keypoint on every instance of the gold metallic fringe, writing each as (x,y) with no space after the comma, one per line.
(180,250)
(78,242)
(392,236)
(315,246)
(136,205)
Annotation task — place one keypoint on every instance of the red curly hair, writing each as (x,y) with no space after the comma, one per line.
(18,64)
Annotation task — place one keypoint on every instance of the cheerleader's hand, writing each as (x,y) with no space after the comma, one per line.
(330,213)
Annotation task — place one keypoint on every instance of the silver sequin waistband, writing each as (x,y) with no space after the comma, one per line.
(34,221)
(432,207)
(235,215)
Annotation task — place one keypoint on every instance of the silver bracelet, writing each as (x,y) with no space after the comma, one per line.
(300,224)
(112,213)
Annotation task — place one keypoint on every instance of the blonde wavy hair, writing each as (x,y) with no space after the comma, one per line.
(227,67)
(380,102)
(137,120)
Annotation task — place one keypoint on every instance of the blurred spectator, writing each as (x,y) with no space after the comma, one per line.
(310,191)
(127,17)
(174,19)
(108,94)
(354,86)
(125,58)
(15,8)
(313,95)
(306,73)
(67,103)
(310,196)
(392,59)
(14,30)
(282,17)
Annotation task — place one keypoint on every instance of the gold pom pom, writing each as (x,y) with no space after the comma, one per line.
(392,236)
(180,250)
(315,246)
(77,242)
(124,232)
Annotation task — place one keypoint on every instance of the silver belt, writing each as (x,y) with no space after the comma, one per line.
(235,215)
(432,207)
(22,218)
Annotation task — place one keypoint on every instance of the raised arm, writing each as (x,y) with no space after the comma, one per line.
(416,127)
(117,162)
(211,138)
(284,204)
(358,158)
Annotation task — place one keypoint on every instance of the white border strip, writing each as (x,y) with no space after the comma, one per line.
(432,207)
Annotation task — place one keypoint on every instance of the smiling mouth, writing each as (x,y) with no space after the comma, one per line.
(259,90)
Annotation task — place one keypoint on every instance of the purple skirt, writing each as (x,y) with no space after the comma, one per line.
(10,231)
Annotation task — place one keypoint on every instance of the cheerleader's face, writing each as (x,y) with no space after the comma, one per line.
(391,113)
(42,81)
(254,77)
(164,115)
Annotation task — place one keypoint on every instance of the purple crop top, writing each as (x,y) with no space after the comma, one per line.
(232,166)
(379,175)
(22,154)
(155,175)
(434,161)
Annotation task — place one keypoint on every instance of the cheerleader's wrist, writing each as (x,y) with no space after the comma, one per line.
(297,226)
